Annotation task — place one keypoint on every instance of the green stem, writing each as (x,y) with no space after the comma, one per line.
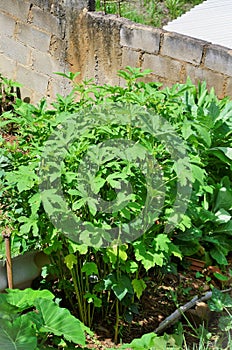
(78,297)
(116,322)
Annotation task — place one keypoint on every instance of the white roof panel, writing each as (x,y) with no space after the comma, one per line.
(210,21)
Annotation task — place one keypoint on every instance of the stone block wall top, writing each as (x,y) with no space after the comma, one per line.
(219,58)
(182,48)
(140,38)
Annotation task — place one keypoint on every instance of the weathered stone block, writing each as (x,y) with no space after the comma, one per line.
(44,63)
(140,37)
(15,50)
(162,66)
(219,59)
(130,58)
(182,48)
(18,9)
(228,91)
(45,21)
(33,37)
(29,78)
(7,25)
(7,67)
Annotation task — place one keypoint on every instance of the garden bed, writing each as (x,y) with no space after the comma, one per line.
(121,288)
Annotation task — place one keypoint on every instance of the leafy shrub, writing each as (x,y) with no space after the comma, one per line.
(97,280)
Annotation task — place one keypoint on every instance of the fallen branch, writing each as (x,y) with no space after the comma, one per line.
(176,315)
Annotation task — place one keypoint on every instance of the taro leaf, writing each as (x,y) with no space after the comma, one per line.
(7,311)
(19,335)
(147,342)
(58,321)
(24,299)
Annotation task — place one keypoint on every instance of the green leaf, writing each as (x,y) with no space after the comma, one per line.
(222,216)
(147,256)
(198,173)
(92,298)
(18,335)
(24,299)
(224,199)
(97,184)
(225,323)
(161,242)
(139,286)
(70,260)
(122,287)
(219,300)
(59,321)
(148,341)
(204,133)
(131,266)
(90,268)
(219,255)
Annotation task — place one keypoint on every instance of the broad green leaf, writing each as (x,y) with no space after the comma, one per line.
(148,341)
(24,299)
(90,268)
(226,228)
(59,321)
(219,255)
(122,287)
(198,173)
(116,252)
(222,216)
(18,335)
(139,286)
(224,199)
(70,260)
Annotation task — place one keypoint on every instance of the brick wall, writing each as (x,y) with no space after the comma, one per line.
(39,37)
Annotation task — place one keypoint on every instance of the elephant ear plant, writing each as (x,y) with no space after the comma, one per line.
(29,318)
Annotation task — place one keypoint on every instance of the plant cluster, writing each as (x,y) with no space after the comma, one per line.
(96,281)
(150,12)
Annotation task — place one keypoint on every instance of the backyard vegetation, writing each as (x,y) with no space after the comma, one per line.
(108,288)
(151,12)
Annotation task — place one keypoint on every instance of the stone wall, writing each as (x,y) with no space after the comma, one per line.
(110,43)
(40,37)
(33,42)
